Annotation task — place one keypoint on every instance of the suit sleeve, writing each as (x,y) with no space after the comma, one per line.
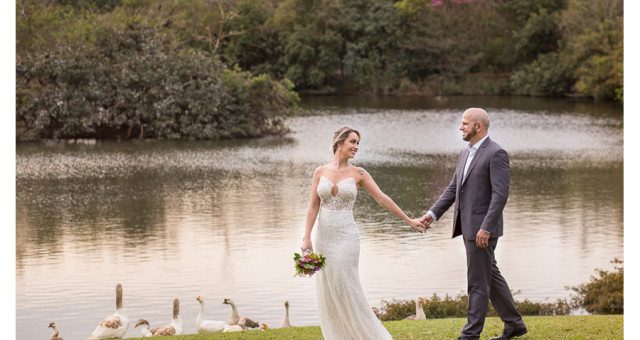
(446,199)
(499,174)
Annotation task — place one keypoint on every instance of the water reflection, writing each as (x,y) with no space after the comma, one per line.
(222,219)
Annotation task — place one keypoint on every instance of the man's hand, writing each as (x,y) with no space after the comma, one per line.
(418,226)
(482,238)
(427,219)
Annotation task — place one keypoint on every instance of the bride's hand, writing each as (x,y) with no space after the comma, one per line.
(306,244)
(418,226)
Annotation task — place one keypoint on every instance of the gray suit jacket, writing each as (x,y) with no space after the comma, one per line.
(480,199)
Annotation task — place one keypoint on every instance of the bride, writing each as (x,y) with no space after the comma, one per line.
(343,309)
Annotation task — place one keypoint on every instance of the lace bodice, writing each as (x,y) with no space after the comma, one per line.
(344,198)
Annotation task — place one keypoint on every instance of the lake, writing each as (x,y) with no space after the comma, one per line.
(222,219)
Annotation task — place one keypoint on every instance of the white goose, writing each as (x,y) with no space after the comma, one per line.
(176,327)
(114,326)
(208,326)
(144,328)
(233,328)
(419,311)
(285,322)
(54,335)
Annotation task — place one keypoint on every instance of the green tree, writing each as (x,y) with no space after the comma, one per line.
(444,41)
(540,35)
(366,26)
(311,49)
(589,58)
(204,24)
(595,41)
(258,48)
(534,26)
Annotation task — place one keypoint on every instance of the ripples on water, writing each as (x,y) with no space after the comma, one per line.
(222,219)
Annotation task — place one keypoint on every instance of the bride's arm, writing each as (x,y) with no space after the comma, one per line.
(312,211)
(366,181)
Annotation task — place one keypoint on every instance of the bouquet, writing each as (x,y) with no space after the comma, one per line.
(308,263)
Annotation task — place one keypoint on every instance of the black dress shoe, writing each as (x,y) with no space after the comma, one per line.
(511,334)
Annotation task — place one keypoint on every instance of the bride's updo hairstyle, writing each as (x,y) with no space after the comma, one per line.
(341,135)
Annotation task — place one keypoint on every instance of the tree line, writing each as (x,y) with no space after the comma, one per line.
(227,68)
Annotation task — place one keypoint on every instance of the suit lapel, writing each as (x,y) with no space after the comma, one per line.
(475,159)
(461,163)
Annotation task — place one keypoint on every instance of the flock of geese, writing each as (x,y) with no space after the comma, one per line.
(117,324)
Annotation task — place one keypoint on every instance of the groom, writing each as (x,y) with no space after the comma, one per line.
(479,189)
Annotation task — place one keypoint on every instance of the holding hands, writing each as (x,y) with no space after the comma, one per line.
(418,225)
(422,224)
(427,219)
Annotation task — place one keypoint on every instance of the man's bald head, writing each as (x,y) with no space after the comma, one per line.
(478,115)
(474,125)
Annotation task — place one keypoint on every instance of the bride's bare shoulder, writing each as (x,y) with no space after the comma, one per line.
(360,173)
(320,171)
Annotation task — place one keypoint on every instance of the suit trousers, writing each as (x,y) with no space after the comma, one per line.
(485,283)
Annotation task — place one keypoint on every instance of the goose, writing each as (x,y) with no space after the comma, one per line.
(234,312)
(114,326)
(176,327)
(419,311)
(248,323)
(208,326)
(376,311)
(233,328)
(285,322)
(54,335)
(237,320)
(144,328)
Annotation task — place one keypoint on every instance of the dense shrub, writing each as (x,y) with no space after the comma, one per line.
(435,307)
(549,75)
(127,84)
(526,307)
(449,307)
(604,294)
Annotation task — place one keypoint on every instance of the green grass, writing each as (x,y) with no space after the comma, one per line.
(540,327)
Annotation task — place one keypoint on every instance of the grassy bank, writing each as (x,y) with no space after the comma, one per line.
(540,327)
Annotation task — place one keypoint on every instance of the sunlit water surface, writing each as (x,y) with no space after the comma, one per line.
(222,219)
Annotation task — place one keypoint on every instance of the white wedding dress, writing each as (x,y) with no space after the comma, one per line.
(343,309)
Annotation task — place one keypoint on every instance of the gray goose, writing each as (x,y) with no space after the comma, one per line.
(114,326)
(144,328)
(285,322)
(176,327)
(54,335)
